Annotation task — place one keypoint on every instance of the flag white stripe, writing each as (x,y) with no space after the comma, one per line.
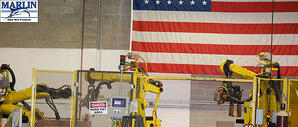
(207,38)
(214,17)
(211,59)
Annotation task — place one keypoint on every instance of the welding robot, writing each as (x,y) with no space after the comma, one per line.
(10,98)
(270,92)
(136,96)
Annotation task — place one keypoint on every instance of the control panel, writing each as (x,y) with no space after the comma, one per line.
(118,107)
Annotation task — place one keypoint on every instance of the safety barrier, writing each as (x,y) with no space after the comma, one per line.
(269,95)
(53,109)
(293,102)
(89,91)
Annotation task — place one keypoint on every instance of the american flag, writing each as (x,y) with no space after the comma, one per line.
(195,36)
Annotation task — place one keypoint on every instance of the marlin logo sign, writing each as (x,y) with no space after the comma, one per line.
(19,11)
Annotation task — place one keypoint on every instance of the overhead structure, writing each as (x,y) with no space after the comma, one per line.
(134,74)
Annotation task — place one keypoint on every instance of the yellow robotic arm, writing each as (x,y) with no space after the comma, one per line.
(10,98)
(229,68)
(141,84)
(269,92)
(107,76)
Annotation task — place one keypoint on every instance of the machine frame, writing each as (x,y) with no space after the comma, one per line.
(34,94)
(143,79)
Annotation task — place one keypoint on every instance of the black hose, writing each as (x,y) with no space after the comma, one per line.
(226,68)
(51,104)
(143,70)
(278,71)
(13,82)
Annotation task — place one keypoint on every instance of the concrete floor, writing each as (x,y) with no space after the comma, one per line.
(178,117)
(172,117)
(212,118)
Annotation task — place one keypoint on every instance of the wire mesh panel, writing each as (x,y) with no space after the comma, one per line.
(293,103)
(269,98)
(203,93)
(55,79)
(99,86)
(205,111)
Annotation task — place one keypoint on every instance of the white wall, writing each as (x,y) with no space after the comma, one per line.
(110,59)
(23,60)
(176,92)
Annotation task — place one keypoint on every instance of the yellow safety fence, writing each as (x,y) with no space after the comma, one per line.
(53,79)
(263,94)
(293,102)
(268,97)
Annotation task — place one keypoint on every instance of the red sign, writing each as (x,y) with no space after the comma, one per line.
(98,105)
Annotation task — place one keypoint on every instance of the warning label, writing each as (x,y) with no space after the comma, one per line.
(98,107)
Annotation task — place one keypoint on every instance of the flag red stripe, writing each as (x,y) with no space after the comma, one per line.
(226,28)
(290,6)
(208,69)
(213,48)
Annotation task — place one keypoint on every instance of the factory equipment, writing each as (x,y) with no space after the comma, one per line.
(269,96)
(231,93)
(118,109)
(260,107)
(126,110)
(10,98)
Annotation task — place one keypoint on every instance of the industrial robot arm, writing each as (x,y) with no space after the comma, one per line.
(8,70)
(10,98)
(264,59)
(141,85)
(232,93)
